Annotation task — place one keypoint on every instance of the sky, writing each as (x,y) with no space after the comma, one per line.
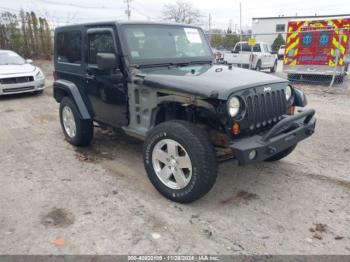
(223,12)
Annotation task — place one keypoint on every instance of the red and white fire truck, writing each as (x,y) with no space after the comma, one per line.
(317,47)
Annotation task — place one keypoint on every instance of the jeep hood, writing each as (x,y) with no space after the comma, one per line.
(217,81)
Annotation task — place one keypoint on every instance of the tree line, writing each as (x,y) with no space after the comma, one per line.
(185,13)
(221,39)
(228,39)
(26,34)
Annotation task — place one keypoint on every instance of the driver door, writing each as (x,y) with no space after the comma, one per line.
(106,89)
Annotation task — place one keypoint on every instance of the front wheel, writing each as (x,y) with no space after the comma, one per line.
(78,132)
(274,68)
(180,161)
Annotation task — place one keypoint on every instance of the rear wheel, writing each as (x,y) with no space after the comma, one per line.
(180,161)
(77,131)
(281,154)
(258,65)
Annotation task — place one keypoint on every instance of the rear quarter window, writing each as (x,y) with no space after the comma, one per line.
(244,47)
(69,47)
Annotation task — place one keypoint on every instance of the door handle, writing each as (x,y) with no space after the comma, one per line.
(90,77)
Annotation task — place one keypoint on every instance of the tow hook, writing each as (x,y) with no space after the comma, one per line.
(271,150)
(310,131)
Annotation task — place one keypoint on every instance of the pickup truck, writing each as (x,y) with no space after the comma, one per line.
(257,57)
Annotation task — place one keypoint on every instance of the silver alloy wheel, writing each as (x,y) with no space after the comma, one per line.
(69,122)
(172,164)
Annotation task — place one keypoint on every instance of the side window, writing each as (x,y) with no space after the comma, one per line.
(69,47)
(265,48)
(238,48)
(307,39)
(280,27)
(269,50)
(325,38)
(99,43)
(246,48)
(257,48)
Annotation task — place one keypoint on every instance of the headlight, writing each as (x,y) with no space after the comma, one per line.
(288,92)
(233,106)
(39,75)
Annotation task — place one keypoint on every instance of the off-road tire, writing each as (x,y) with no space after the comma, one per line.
(274,68)
(201,152)
(281,154)
(84,128)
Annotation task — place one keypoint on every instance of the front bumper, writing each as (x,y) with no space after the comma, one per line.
(286,133)
(314,70)
(9,89)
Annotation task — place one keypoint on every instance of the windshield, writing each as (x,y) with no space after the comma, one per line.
(11,58)
(150,44)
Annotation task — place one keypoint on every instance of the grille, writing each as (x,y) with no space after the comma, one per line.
(265,108)
(17,89)
(16,80)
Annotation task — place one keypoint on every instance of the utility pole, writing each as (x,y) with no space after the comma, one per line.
(240,26)
(128,8)
(209,29)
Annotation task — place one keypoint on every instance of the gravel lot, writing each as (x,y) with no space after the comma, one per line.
(57,199)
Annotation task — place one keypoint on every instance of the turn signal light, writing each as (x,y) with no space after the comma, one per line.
(291,110)
(235,129)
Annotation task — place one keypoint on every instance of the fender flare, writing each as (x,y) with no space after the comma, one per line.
(72,90)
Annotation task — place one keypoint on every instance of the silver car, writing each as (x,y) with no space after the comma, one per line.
(18,75)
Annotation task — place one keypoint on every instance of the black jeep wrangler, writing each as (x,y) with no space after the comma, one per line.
(158,82)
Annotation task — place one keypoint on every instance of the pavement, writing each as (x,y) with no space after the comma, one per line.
(58,199)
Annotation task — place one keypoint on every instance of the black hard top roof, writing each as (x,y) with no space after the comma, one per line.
(118,23)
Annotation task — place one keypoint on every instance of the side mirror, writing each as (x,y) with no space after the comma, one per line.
(106,61)
(29,61)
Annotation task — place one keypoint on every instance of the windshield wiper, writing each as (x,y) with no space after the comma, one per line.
(194,63)
(155,65)
(174,64)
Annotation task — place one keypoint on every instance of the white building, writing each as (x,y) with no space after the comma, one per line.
(266,29)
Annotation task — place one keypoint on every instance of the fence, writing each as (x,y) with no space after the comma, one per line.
(317,57)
